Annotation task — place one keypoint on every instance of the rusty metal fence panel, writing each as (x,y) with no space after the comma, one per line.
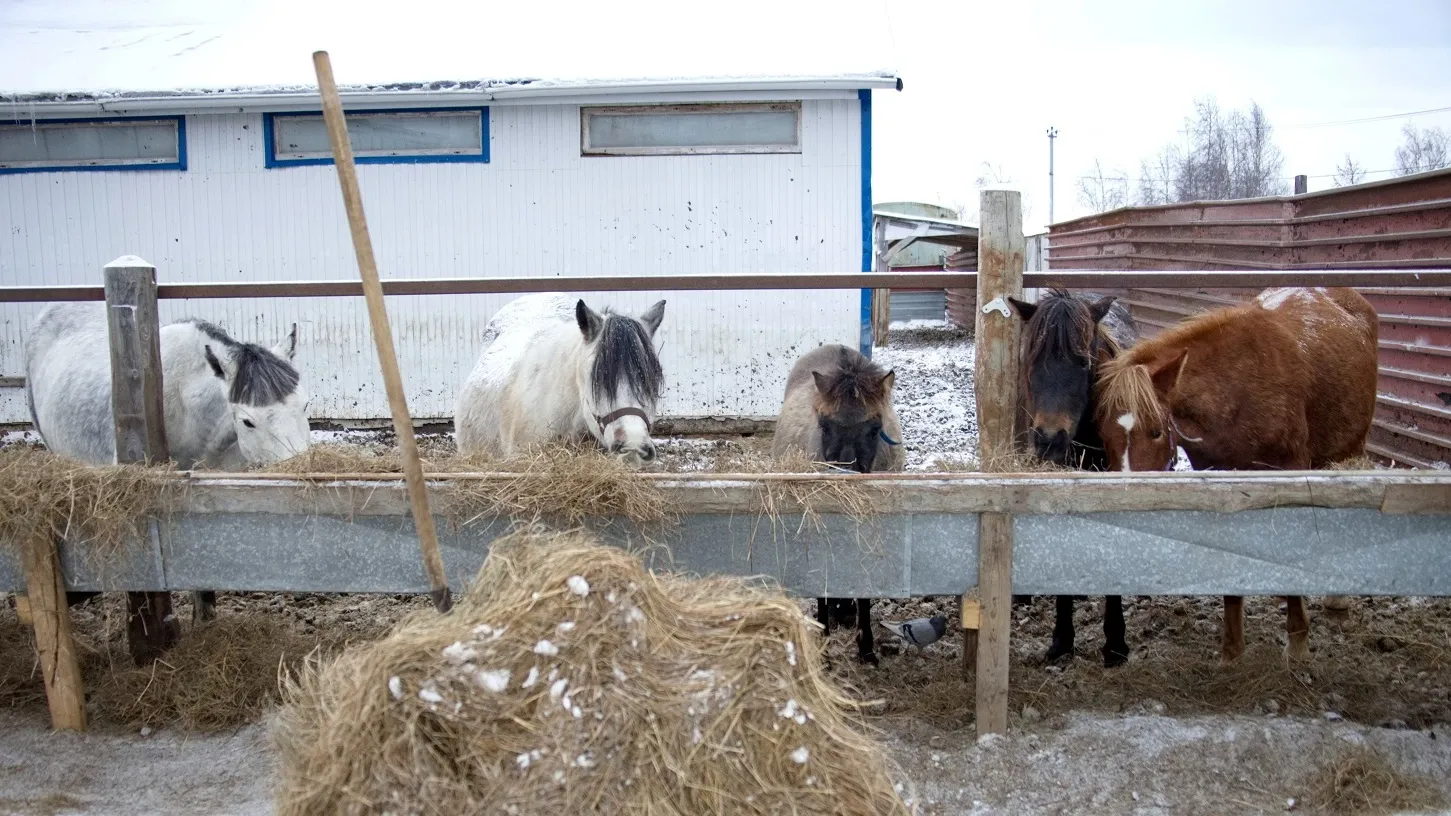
(1403,223)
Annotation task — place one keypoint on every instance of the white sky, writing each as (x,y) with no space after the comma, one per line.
(983,80)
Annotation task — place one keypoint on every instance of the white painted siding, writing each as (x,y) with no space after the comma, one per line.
(537,209)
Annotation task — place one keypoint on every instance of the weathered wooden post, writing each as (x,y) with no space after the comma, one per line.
(1000,258)
(140,421)
(881,298)
(48,613)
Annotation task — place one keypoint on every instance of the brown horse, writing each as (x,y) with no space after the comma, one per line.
(838,409)
(1066,338)
(1287,382)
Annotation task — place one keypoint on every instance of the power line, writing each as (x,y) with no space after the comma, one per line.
(1369,119)
(1277,178)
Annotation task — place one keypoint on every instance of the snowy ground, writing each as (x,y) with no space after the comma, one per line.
(1139,764)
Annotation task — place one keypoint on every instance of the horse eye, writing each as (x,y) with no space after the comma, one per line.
(1155,434)
(248,423)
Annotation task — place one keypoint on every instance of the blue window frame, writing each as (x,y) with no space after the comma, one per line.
(109,143)
(403,136)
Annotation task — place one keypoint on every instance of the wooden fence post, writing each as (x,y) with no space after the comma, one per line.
(1000,259)
(140,420)
(881,298)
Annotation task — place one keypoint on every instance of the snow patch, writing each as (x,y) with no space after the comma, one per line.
(495,680)
(546,648)
(800,755)
(578,585)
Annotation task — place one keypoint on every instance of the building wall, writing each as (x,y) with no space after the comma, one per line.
(536,209)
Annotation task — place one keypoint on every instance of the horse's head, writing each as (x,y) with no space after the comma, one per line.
(1060,345)
(850,403)
(1134,418)
(621,379)
(267,397)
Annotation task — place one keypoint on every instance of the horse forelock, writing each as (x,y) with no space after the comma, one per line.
(1124,387)
(625,355)
(262,377)
(1061,326)
(856,383)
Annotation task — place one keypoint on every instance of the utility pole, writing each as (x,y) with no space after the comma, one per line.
(1052,134)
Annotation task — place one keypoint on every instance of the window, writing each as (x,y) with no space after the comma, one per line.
(384,137)
(93,144)
(666,130)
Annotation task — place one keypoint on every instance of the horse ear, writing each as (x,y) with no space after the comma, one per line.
(888,381)
(589,322)
(1100,309)
(214,363)
(1165,371)
(1024,309)
(288,347)
(653,317)
(821,383)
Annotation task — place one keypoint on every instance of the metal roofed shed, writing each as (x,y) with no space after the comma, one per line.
(165,133)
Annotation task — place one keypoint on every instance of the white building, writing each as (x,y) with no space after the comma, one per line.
(616,177)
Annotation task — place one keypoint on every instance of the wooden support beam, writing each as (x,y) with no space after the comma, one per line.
(1001,257)
(45,593)
(22,609)
(140,423)
(881,298)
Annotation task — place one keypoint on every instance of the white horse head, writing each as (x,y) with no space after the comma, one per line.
(620,379)
(265,392)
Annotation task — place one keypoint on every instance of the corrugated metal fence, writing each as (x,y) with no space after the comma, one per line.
(1403,223)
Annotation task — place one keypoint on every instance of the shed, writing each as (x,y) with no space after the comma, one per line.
(218,170)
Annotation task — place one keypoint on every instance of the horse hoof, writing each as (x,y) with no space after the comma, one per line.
(869,658)
(1228,659)
(1298,651)
(1057,652)
(1112,660)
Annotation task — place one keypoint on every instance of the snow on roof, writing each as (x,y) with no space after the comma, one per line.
(86,50)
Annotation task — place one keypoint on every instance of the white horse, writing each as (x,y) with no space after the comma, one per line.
(226,404)
(552,368)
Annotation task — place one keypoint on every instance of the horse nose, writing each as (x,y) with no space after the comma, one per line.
(1050,444)
(648,452)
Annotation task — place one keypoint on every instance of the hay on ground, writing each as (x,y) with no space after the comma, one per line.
(1360,782)
(568,679)
(44,496)
(222,674)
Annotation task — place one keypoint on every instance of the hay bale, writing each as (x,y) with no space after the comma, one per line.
(568,679)
(44,496)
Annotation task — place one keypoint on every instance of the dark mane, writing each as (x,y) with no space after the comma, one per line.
(1061,327)
(262,377)
(624,352)
(856,381)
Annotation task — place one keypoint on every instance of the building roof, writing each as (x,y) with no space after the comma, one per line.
(151,55)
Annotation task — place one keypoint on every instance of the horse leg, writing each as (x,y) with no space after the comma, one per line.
(1231,637)
(823,616)
(1337,607)
(1115,647)
(203,605)
(1062,629)
(75,598)
(1297,628)
(866,650)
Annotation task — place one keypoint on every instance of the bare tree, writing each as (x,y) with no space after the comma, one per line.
(1226,155)
(1156,177)
(1350,172)
(1423,150)
(990,174)
(1101,192)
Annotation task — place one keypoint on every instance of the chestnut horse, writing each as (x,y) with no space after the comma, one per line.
(1065,340)
(838,409)
(1287,382)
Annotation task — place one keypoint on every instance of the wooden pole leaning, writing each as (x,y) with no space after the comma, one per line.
(332,107)
(1000,258)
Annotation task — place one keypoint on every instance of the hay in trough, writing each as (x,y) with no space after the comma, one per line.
(44,496)
(568,679)
(1360,782)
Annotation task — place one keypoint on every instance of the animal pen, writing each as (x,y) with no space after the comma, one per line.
(1206,533)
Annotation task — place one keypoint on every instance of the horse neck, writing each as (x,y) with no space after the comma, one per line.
(198,420)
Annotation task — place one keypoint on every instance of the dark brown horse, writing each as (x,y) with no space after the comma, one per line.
(1065,340)
(1286,383)
(838,409)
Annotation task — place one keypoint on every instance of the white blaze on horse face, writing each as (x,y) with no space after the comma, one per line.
(271,433)
(1127,422)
